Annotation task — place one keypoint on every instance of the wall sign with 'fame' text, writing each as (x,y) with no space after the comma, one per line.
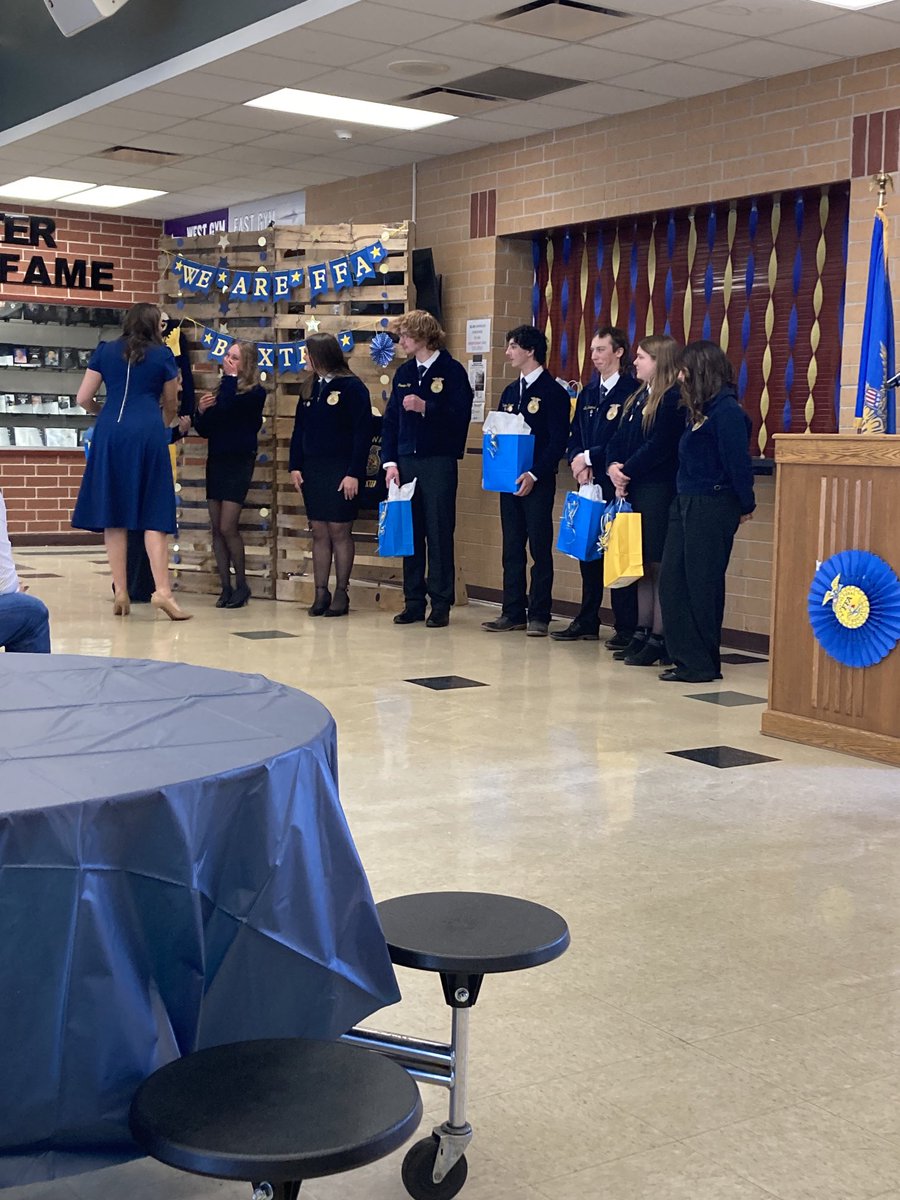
(42,270)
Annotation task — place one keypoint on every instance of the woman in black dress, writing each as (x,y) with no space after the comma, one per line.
(715,496)
(329,450)
(230,420)
(642,461)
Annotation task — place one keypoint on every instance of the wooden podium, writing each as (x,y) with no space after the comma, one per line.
(833,492)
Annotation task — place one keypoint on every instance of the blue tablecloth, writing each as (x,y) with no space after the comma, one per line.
(175,872)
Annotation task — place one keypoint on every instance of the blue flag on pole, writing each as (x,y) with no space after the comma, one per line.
(876,410)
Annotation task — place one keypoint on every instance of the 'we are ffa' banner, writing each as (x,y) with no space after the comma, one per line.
(351,270)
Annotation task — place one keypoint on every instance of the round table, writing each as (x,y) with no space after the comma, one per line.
(176,872)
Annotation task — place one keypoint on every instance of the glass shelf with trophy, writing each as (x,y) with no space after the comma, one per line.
(44,350)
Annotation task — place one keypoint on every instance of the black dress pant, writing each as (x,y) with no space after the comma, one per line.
(139,577)
(434,521)
(692,579)
(623,601)
(527,522)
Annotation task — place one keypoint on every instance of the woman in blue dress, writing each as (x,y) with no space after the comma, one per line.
(127,481)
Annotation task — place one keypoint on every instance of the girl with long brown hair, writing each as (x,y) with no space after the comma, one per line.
(230,420)
(642,460)
(127,481)
(715,496)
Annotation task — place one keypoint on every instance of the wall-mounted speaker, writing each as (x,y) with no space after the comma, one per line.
(427,283)
(71,16)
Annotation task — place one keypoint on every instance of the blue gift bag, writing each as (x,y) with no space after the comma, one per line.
(504,457)
(395,528)
(579,527)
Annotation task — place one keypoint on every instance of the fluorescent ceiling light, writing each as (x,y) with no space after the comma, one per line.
(342,109)
(108,196)
(855,5)
(36,187)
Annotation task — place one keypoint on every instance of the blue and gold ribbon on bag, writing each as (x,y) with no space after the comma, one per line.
(854,608)
(493,445)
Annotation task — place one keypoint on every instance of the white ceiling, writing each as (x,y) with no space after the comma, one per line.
(230,153)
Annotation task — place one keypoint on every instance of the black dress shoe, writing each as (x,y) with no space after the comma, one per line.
(537,629)
(437,620)
(634,646)
(226,595)
(620,641)
(408,617)
(239,597)
(502,625)
(575,633)
(652,651)
(680,675)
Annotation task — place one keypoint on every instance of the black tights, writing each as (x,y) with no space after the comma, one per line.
(332,538)
(228,545)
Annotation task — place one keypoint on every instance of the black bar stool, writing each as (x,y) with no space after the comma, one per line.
(462,936)
(275,1112)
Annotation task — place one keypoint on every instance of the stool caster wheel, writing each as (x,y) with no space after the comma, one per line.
(417,1172)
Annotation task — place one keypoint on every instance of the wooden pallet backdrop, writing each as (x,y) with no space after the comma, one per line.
(274,522)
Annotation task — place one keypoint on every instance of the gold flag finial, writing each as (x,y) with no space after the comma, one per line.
(882,181)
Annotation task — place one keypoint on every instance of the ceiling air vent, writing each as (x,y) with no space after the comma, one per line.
(452,101)
(567,20)
(133,154)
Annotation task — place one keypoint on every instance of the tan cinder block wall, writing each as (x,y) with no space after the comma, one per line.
(790,132)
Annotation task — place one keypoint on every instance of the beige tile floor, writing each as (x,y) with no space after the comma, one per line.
(726,1024)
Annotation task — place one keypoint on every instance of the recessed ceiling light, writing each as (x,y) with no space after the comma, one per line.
(109,196)
(342,108)
(36,187)
(419,68)
(854,5)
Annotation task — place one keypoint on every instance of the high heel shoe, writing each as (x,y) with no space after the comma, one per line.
(226,595)
(169,606)
(239,597)
(320,605)
(340,605)
(121,604)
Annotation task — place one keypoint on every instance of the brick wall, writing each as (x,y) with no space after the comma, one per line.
(40,486)
(789,132)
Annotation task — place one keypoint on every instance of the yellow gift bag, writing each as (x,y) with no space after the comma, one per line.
(623,561)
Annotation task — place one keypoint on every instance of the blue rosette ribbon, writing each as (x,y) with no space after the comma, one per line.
(381,348)
(854,608)
(570,508)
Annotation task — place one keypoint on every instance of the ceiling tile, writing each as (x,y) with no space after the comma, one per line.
(846,36)
(360,85)
(263,68)
(155,101)
(535,116)
(481,43)
(93,168)
(483,130)
(762,59)
(250,155)
(101,119)
(54,141)
(382,23)
(656,8)
(759,19)
(322,49)
(456,68)
(177,145)
(213,87)
(664,39)
(585,62)
(262,120)
(603,99)
(424,144)
(214,131)
(465,10)
(675,79)
(296,143)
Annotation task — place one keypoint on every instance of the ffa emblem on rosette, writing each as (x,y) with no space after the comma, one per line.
(854,608)
(437,386)
(333,398)
(612,412)
(534,406)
